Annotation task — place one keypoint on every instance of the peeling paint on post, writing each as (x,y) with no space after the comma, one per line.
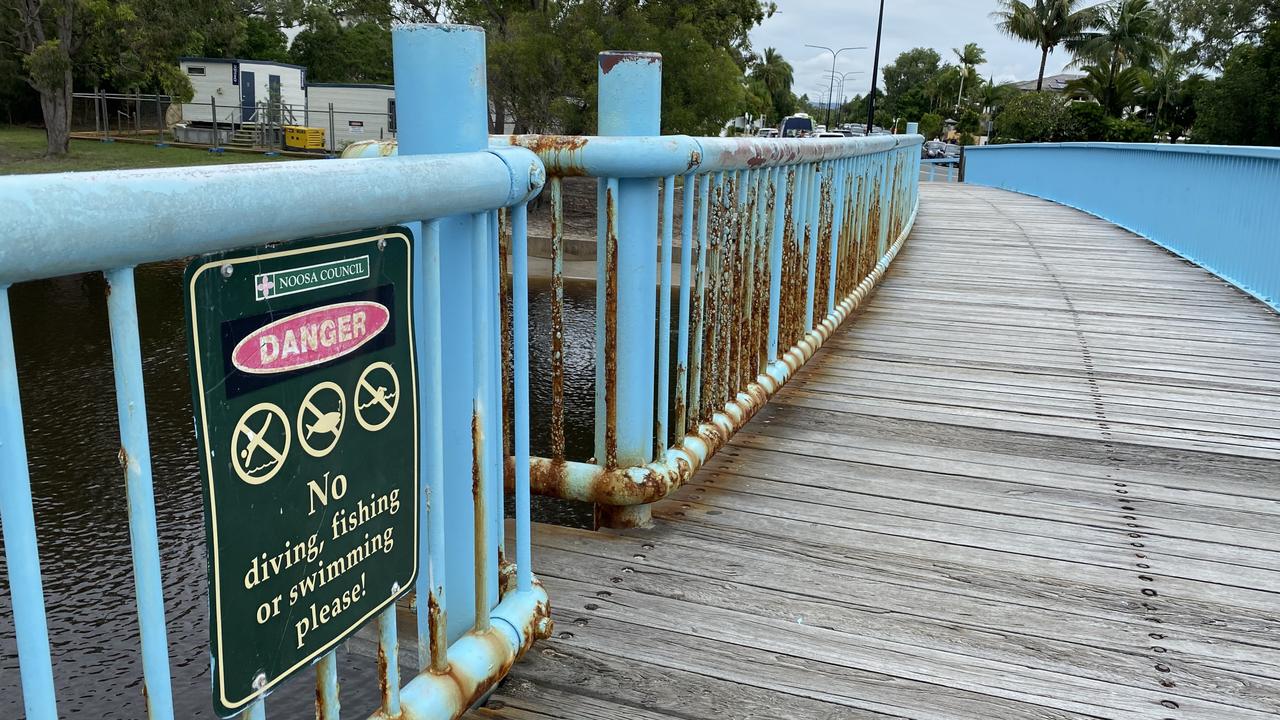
(439,65)
(630,102)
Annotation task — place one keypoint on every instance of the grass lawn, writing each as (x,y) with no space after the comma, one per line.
(22,152)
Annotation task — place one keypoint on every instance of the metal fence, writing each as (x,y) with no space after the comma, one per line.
(1215,206)
(53,225)
(939,170)
(780,240)
(206,121)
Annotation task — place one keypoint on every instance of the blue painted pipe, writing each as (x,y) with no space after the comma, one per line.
(135,455)
(17,520)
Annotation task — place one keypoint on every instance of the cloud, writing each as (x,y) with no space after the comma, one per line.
(939,24)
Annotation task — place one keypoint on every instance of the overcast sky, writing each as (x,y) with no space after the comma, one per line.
(939,24)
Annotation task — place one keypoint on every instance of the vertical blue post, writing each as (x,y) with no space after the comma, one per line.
(779,222)
(17,519)
(813,212)
(443,66)
(630,104)
(661,428)
(135,455)
(689,195)
(837,224)
(520,371)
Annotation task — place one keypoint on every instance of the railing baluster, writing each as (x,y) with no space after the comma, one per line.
(557,320)
(482,393)
(496,427)
(389,661)
(689,197)
(813,201)
(664,319)
(135,456)
(520,347)
(257,710)
(432,643)
(833,232)
(17,518)
(778,227)
(700,305)
(327,704)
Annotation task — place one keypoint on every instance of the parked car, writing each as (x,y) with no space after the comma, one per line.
(933,149)
(767,132)
(829,134)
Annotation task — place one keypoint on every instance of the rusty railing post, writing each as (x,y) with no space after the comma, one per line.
(630,104)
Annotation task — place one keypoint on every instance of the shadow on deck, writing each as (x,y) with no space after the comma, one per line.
(1036,478)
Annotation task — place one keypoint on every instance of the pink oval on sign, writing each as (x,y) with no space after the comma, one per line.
(310,338)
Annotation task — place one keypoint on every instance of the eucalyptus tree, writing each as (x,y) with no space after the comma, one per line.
(1046,23)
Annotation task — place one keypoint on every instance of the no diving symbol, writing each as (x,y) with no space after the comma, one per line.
(260,443)
(323,415)
(377,396)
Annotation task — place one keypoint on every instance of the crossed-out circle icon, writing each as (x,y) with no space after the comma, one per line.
(377,396)
(263,436)
(324,414)
(257,449)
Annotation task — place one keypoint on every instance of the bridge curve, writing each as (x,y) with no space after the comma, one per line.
(1035,477)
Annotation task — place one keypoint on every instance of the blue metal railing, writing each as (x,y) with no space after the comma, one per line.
(54,225)
(779,241)
(939,170)
(1215,206)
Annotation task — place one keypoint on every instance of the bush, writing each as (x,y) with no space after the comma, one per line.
(931,126)
(1128,131)
(1031,117)
(1084,122)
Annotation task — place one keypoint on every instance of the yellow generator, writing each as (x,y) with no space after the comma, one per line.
(297,137)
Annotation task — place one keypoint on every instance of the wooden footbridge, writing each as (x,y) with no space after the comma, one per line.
(874,448)
(1036,477)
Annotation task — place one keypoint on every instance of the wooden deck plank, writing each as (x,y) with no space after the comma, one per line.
(1038,476)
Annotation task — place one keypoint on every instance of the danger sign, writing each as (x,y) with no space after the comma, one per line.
(301,355)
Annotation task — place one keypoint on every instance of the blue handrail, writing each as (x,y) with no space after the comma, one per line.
(1213,205)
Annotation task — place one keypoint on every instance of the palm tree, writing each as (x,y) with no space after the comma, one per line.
(1047,23)
(775,72)
(1125,31)
(970,57)
(777,76)
(1114,88)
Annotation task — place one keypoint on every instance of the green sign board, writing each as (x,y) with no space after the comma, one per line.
(304,390)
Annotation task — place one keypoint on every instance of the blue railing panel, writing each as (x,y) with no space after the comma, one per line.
(1215,206)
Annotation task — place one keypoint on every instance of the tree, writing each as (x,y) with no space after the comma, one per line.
(44,34)
(931,125)
(1242,107)
(1115,89)
(970,57)
(1046,23)
(1165,92)
(777,76)
(906,80)
(1032,117)
(1124,33)
(1214,28)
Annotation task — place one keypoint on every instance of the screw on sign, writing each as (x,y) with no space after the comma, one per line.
(311,525)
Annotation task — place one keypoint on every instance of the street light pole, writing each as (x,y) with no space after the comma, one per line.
(843,77)
(875,73)
(835,54)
